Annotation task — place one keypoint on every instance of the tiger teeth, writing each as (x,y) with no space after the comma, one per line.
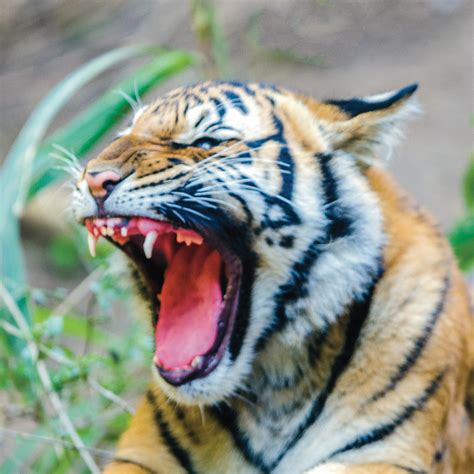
(148,244)
(197,362)
(91,240)
(188,239)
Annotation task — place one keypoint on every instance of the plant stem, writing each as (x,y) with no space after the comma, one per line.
(45,379)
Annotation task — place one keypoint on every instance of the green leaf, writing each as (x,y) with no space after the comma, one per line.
(63,253)
(85,131)
(73,325)
(462,240)
(468,185)
(211,37)
(16,172)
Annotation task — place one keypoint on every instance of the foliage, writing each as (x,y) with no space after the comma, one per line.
(65,357)
(462,235)
(210,36)
(54,349)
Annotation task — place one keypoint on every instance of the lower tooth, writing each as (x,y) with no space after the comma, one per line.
(197,362)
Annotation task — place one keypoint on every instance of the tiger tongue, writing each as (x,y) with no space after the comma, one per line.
(191,302)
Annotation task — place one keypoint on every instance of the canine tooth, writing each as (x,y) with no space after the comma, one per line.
(150,240)
(91,243)
(123,232)
(197,361)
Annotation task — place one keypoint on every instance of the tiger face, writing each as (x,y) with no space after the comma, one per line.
(229,200)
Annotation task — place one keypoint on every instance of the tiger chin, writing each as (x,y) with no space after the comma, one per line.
(307,315)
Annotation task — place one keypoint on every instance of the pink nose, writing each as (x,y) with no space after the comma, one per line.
(101,183)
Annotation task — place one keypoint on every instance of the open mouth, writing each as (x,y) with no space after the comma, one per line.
(193,282)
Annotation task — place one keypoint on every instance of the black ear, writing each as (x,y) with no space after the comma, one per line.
(362,124)
(361,105)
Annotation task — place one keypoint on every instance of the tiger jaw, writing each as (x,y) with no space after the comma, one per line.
(193,282)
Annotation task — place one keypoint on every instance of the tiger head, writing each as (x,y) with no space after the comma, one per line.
(248,221)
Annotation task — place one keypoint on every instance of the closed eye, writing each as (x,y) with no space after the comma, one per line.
(205,143)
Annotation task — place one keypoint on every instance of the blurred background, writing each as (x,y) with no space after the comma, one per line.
(325,48)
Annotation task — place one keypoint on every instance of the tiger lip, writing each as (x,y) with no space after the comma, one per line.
(121,232)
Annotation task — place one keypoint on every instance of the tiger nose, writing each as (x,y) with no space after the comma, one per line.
(102,183)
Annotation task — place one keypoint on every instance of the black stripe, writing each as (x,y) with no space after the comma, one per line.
(410,469)
(135,463)
(219,106)
(170,440)
(356,106)
(167,180)
(285,160)
(296,287)
(339,222)
(357,316)
(419,345)
(382,431)
(201,118)
(242,318)
(236,101)
(228,419)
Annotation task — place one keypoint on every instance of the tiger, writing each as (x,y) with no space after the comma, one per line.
(307,315)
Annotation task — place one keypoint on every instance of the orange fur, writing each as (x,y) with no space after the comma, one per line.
(419,271)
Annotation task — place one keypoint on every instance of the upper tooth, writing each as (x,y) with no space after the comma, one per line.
(103,231)
(123,232)
(188,239)
(149,243)
(91,243)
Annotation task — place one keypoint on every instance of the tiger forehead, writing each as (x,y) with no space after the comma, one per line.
(188,112)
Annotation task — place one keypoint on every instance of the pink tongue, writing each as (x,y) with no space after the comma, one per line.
(191,301)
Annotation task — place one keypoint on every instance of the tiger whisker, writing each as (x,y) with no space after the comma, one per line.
(185,209)
(194,198)
(67,152)
(138,100)
(131,102)
(66,161)
(254,188)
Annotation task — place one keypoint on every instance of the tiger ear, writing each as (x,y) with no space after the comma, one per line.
(361,125)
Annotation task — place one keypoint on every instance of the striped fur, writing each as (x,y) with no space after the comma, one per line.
(354,337)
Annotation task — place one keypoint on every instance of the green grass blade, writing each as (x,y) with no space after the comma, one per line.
(462,240)
(89,127)
(22,153)
(468,185)
(16,171)
(16,174)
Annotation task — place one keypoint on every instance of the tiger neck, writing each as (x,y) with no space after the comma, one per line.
(298,364)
